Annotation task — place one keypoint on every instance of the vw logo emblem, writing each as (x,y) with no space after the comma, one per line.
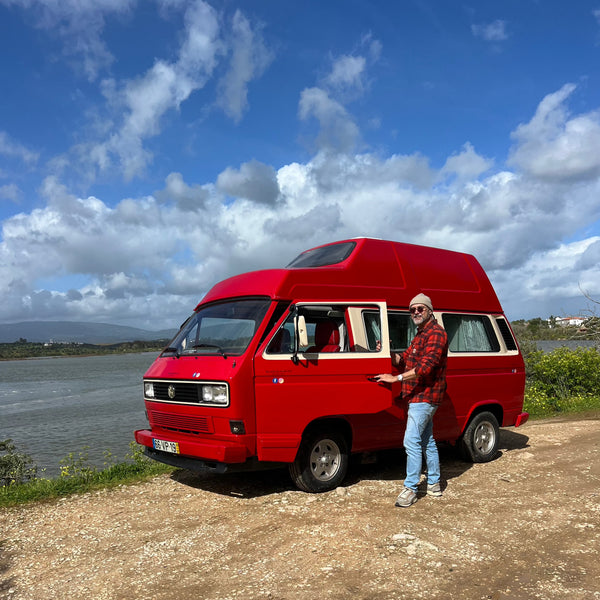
(171,391)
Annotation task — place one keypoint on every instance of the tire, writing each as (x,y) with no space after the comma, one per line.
(322,462)
(479,442)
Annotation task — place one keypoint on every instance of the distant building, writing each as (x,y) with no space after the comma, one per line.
(565,321)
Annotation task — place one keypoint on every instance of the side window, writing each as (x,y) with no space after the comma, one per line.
(283,341)
(402,329)
(326,330)
(509,341)
(372,327)
(325,333)
(470,333)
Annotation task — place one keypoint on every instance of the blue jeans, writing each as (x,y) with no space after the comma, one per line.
(418,439)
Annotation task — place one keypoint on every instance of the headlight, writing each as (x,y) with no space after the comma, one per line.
(215,394)
(148,389)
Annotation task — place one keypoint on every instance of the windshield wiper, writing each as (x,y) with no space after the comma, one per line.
(198,346)
(171,350)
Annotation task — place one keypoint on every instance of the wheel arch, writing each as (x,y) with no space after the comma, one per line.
(491,406)
(328,424)
(321,463)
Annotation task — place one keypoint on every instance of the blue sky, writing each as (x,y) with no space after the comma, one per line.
(149,149)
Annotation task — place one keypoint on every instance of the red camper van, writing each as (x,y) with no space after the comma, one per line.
(275,366)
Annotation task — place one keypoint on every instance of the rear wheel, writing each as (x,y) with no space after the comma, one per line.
(322,462)
(479,442)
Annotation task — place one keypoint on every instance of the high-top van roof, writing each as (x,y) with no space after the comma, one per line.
(371,269)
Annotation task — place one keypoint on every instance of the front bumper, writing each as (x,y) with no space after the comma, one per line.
(221,451)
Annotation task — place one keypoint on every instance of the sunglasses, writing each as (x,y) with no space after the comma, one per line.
(417,309)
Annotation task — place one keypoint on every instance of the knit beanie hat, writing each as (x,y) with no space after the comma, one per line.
(422,299)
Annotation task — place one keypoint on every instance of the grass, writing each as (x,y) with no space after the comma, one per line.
(77,477)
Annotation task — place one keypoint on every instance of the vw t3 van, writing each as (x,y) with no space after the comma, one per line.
(274,367)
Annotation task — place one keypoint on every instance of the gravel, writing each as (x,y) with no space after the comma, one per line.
(524,526)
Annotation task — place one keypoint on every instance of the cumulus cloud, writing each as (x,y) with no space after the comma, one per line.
(157,255)
(254,181)
(187,198)
(557,146)
(490,32)
(467,164)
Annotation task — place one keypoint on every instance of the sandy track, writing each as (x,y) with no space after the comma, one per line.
(524,526)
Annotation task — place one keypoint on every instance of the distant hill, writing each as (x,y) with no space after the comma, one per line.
(71,331)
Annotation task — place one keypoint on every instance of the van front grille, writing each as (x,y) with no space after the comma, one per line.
(180,391)
(182,423)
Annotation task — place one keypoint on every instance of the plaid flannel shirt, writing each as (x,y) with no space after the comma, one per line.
(427,355)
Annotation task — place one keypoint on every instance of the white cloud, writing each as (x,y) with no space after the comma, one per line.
(10,192)
(467,164)
(347,72)
(491,32)
(551,281)
(156,256)
(337,129)
(146,99)
(346,81)
(249,59)
(12,149)
(79,23)
(136,108)
(555,146)
(187,198)
(254,181)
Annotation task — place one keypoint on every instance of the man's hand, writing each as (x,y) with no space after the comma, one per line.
(386,378)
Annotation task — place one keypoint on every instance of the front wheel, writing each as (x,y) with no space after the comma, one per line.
(322,462)
(479,442)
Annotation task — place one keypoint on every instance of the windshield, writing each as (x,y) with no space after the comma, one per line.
(225,328)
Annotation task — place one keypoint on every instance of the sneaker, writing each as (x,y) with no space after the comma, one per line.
(435,490)
(406,498)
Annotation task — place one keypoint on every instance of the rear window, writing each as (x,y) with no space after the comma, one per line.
(321,257)
(470,333)
(506,334)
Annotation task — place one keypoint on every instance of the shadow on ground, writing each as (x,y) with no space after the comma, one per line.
(388,465)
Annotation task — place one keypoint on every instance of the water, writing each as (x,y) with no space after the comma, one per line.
(549,346)
(54,406)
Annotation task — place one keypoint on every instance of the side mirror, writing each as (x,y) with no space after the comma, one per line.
(300,334)
(301,329)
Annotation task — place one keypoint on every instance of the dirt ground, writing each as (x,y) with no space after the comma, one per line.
(524,526)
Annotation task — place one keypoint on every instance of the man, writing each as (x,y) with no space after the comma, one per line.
(423,375)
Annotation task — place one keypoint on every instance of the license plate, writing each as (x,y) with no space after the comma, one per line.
(172,447)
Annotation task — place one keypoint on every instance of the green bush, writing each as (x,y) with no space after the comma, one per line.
(562,381)
(563,372)
(15,467)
